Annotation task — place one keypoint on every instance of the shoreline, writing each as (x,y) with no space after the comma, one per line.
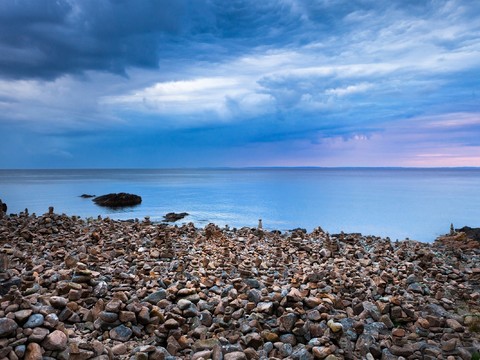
(74,288)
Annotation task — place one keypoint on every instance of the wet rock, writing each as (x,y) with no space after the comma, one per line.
(173,217)
(115,200)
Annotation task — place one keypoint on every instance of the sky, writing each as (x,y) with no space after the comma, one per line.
(215,83)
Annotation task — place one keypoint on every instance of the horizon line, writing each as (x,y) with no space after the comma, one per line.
(249,168)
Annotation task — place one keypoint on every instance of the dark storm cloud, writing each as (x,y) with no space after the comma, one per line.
(46,39)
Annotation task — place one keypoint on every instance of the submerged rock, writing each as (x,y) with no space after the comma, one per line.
(117,200)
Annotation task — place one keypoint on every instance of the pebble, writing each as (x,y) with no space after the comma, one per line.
(7,327)
(103,288)
(34,320)
(121,333)
(57,341)
(33,352)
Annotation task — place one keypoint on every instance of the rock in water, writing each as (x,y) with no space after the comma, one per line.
(172,217)
(118,200)
(87,196)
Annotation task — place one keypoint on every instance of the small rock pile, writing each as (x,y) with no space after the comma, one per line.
(102,289)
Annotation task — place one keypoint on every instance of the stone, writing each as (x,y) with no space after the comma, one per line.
(34,352)
(23,315)
(236,355)
(205,354)
(207,344)
(449,345)
(254,295)
(173,217)
(404,350)
(109,317)
(334,326)
(266,307)
(286,322)
(127,316)
(321,352)
(119,349)
(121,333)
(56,341)
(101,289)
(114,306)
(7,327)
(171,324)
(155,297)
(58,301)
(20,351)
(34,320)
(455,325)
(184,304)
(115,200)
(38,334)
(398,332)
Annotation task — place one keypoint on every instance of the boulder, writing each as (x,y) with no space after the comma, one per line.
(117,200)
(172,217)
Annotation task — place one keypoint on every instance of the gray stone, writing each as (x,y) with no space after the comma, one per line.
(34,321)
(236,355)
(121,333)
(301,353)
(155,297)
(254,295)
(101,289)
(20,350)
(7,327)
(38,334)
(22,315)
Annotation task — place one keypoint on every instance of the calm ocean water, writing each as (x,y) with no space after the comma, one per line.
(416,203)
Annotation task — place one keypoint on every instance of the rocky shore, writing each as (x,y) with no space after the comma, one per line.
(76,288)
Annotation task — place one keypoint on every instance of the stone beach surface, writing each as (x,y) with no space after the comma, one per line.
(76,288)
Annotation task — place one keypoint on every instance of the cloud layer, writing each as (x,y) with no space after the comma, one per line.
(239,83)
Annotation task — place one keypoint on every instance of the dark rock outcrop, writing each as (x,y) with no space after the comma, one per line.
(87,196)
(3,207)
(117,200)
(172,217)
(472,233)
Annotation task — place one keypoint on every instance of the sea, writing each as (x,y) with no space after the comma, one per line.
(399,203)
